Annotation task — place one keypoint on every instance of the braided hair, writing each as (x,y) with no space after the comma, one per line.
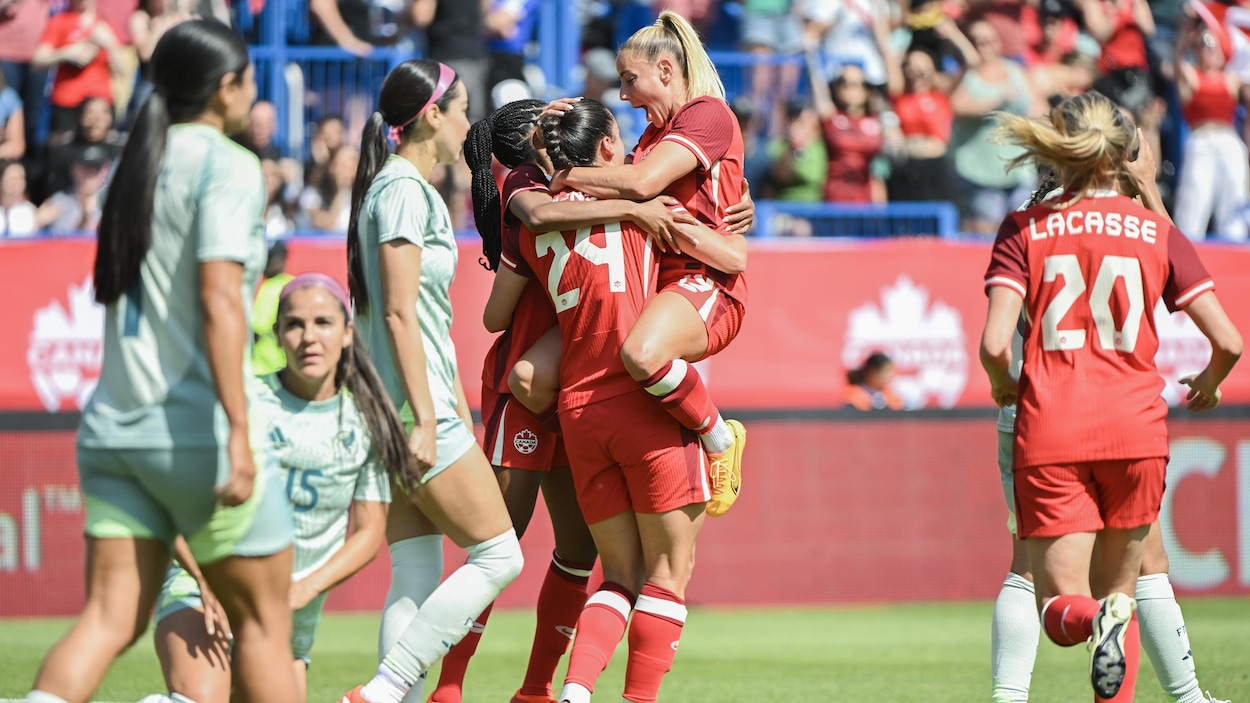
(505,133)
(572,139)
(1049,181)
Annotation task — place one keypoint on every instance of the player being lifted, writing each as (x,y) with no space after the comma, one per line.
(1088,267)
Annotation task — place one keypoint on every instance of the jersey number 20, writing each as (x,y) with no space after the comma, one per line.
(611,253)
(1112,268)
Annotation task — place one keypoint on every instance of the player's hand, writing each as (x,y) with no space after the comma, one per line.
(557,107)
(302,593)
(242,479)
(1203,394)
(80,54)
(559,181)
(423,445)
(1005,392)
(740,217)
(1143,170)
(662,222)
(216,624)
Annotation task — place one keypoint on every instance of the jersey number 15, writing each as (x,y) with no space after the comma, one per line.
(1112,268)
(611,254)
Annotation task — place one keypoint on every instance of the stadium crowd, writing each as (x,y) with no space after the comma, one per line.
(850,101)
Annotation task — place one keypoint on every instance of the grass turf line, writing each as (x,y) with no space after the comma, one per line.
(927,653)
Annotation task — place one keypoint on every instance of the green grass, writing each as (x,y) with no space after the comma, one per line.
(927,653)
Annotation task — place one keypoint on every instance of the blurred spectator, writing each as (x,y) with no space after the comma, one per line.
(21,25)
(85,50)
(279,213)
(989,191)
(853,33)
(148,23)
(1006,17)
(751,124)
(326,139)
(769,28)
(1122,27)
(509,27)
(923,171)
(1073,74)
(1215,169)
(454,36)
(95,130)
(853,137)
(78,209)
(327,204)
(267,354)
(868,387)
(262,125)
(1056,33)
(799,161)
(17,213)
(603,84)
(344,23)
(12,123)
(117,13)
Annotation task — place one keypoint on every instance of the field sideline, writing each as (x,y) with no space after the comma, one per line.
(926,653)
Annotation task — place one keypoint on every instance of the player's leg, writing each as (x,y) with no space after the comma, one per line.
(462,497)
(1015,626)
(535,380)
(677,327)
(301,680)
(195,664)
(416,547)
(1164,635)
(564,590)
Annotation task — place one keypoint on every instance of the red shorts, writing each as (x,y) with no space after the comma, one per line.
(1052,501)
(515,438)
(722,314)
(627,453)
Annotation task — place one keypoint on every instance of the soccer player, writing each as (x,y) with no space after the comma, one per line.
(1089,265)
(164,447)
(401,261)
(332,429)
(641,478)
(693,151)
(1015,624)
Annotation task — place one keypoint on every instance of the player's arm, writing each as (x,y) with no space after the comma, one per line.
(214,615)
(540,213)
(225,339)
(505,293)
(462,401)
(1226,348)
(727,253)
(1000,323)
(399,263)
(643,180)
(365,536)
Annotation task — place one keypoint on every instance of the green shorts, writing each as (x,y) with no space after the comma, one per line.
(454,439)
(181,592)
(161,493)
(1006,451)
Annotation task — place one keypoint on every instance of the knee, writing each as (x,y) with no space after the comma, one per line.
(521,380)
(642,357)
(500,558)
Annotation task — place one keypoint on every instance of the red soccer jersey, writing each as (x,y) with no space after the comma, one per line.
(533,315)
(73,85)
(598,278)
(707,127)
(1090,275)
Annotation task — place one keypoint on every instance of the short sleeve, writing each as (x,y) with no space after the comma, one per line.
(401,210)
(510,252)
(522,179)
(54,33)
(1008,265)
(230,205)
(706,128)
(1187,277)
(372,483)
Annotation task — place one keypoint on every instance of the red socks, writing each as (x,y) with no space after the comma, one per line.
(1069,620)
(653,636)
(560,602)
(450,687)
(680,390)
(599,629)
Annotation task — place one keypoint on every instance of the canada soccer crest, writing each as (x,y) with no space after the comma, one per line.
(1183,351)
(924,338)
(65,349)
(525,442)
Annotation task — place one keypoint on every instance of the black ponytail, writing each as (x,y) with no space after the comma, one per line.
(1049,181)
(357,374)
(404,93)
(186,68)
(572,139)
(505,134)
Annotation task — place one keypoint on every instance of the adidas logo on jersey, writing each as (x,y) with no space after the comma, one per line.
(525,442)
(277,438)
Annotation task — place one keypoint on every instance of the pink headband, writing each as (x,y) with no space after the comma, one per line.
(317,280)
(446,77)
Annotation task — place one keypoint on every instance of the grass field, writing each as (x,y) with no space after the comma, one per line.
(928,653)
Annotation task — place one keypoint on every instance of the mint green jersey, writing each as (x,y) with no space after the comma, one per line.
(328,461)
(402,206)
(156,389)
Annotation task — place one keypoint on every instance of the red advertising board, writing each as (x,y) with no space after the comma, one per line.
(816,308)
(881,509)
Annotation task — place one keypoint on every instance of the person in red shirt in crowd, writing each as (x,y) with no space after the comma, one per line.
(925,119)
(1122,27)
(692,151)
(1095,476)
(1051,32)
(853,137)
(86,52)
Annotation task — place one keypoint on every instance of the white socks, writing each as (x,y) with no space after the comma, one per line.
(574,693)
(1013,642)
(719,438)
(1165,639)
(445,617)
(386,687)
(43,697)
(416,569)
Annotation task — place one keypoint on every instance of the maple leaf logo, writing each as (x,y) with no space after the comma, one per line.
(65,349)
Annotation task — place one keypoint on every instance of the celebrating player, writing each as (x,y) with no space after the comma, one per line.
(693,151)
(331,427)
(401,261)
(163,449)
(1097,475)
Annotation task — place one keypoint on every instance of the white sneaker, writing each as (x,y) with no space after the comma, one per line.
(1107,658)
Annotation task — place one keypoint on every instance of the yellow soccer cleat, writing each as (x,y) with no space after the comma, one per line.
(725,472)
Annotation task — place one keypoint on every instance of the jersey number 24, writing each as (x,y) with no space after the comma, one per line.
(611,254)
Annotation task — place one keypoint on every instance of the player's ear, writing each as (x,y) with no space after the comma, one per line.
(607,149)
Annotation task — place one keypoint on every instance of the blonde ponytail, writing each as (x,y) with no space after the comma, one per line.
(1086,141)
(672,35)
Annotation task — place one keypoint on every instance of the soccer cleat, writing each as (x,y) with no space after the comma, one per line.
(1107,659)
(725,472)
(354,696)
(519,697)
